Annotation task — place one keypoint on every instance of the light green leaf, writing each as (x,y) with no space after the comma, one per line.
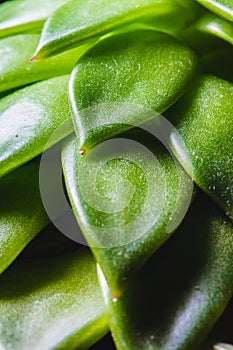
(29,117)
(223,8)
(128,196)
(94,18)
(223,346)
(144,68)
(22,214)
(16,70)
(51,303)
(204,120)
(178,296)
(19,15)
(211,24)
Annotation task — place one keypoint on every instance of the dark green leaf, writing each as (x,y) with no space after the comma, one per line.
(223,8)
(128,196)
(22,214)
(182,291)
(144,68)
(29,117)
(204,120)
(94,18)
(16,70)
(20,15)
(51,303)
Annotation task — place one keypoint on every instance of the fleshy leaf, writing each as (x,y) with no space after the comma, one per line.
(51,303)
(223,8)
(178,296)
(204,120)
(19,15)
(16,70)
(64,30)
(223,346)
(29,117)
(22,214)
(128,195)
(212,24)
(144,68)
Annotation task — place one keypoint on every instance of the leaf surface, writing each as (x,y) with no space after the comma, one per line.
(181,292)
(28,119)
(223,8)
(52,303)
(63,30)
(19,15)
(16,70)
(22,212)
(142,68)
(203,118)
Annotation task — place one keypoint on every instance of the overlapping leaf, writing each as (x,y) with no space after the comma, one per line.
(182,291)
(203,118)
(52,303)
(16,70)
(19,15)
(146,68)
(128,196)
(22,214)
(29,117)
(64,29)
(222,8)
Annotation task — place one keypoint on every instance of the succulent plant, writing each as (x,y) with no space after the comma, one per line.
(116,220)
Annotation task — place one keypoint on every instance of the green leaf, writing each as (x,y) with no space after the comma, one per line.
(203,118)
(223,8)
(144,68)
(128,196)
(29,117)
(19,15)
(178,296)
(16,70)
(211,24)
(64,30)
(22,214)
(52,303)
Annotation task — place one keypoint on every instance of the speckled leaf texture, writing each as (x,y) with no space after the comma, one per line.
(22,214)
(57,303)
(152,70)
(29,117)
(19,16)
(182,290)
(64,30)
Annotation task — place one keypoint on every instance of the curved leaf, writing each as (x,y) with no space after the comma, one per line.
(51,303)
(28,118)
(16,70)
(22,213)
(182,291)
(223,8)
(128,196)
(144,68)
(212,24)
(203,118)
(19,15)
(63,30)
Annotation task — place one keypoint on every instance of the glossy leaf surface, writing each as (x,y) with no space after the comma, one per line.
(64,29)
(144,68)
(19,15)
(22,213)
(203,118)
(128,196)
(51,303)
(16,70)
(29,117)
(212,24)
(222,8)
(182,291)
